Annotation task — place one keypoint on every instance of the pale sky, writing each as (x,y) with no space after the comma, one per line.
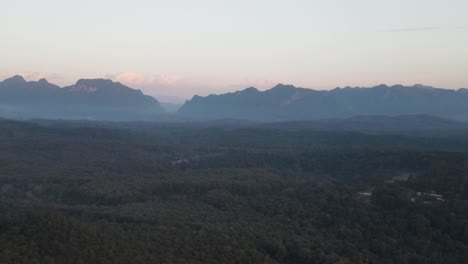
(186,47)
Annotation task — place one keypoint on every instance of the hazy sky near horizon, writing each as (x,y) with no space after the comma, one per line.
(183,47)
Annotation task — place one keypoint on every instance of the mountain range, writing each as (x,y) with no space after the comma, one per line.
(97,99)
(101,99)
(289,103)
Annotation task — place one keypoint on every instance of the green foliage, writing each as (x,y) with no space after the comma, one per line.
(116,193)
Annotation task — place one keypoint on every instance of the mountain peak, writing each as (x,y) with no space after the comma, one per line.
(381,86)
(87,99)
(249,90)
(43,81)
(94,85)
(422,86)
(97,82)
(15,79)
(283,86)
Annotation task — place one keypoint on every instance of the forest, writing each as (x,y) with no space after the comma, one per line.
(231,192)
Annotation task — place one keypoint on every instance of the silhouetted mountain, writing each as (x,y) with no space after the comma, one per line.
(170,107)
(286,102)
(16,90)
(87,99)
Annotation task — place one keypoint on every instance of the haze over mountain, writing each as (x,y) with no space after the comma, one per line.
(87,99)
(286,102)
(102,99)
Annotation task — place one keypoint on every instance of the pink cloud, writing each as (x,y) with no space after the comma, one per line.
(184,86)
(156,84)
(142,80)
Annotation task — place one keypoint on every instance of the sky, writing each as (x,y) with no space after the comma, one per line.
(180,48)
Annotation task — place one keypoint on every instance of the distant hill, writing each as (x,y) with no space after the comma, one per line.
(288,103)
(97,99)
(170,107)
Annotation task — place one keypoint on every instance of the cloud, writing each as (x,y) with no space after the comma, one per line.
(420,29)
(160,85)
(148,81)
(156,84)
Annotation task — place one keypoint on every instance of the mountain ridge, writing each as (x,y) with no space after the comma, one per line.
(100,99)
(104,99)
(287,102)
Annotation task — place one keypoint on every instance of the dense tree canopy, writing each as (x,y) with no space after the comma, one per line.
(80,192)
